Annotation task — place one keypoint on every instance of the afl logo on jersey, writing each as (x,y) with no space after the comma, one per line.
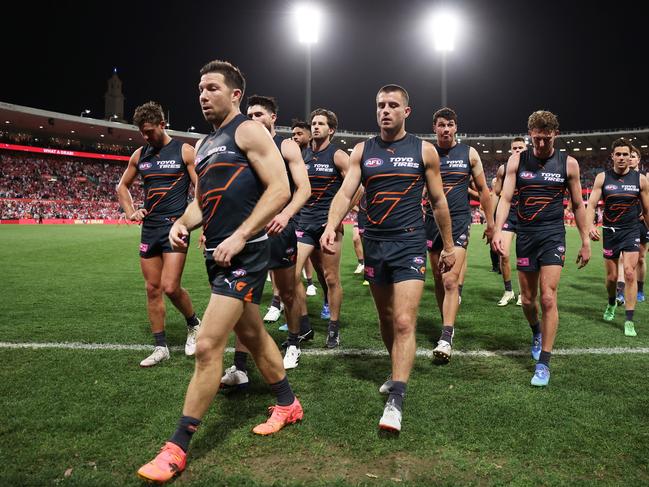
(308,166)
(373,162)
(527,175)
(145,165)
(610,187)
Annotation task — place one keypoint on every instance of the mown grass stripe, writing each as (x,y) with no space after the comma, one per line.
(345,352)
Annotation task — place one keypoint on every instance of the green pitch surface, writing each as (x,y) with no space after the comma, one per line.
(92,417)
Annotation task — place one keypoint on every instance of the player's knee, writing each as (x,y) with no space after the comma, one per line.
(287,297)
(206,351)
(332,279)
(527,300)
(404,324)
(450,281)
(171,289)
(629,274)
(153,290)
(548,299)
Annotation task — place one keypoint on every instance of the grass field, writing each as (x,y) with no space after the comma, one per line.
(92,417)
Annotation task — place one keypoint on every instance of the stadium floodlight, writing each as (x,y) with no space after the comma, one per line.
(85,112)
(191,128)
(308,19)
(444,27)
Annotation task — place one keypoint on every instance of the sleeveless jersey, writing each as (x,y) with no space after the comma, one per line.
(166,182)
(621,195)
(455,169)
(393,176)
(541,185)
(325,181)
(229,187)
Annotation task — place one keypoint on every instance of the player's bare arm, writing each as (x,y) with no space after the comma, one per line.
(265,159)
(574,187)
(123,189)
(595,195)
(292,155)
(438,204)
(506,195)
(477,172)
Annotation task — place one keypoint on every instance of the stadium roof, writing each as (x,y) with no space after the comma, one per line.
(90,130)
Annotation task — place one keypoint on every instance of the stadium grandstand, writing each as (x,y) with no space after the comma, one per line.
(58,168)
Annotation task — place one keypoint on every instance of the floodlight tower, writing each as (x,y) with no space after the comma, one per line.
(444,27)
(307,22)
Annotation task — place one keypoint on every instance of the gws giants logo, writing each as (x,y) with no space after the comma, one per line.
(373,162)
(527,175)
(239,273)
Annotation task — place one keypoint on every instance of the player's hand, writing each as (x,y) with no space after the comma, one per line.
(201,242)
(138,215)
(594,233)
(584,255)
(226,250)
(488,234)
(178,236)
(446,260)
(328,240)
(277,224)
(497,243)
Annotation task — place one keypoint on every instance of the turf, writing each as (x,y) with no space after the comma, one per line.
(93,417)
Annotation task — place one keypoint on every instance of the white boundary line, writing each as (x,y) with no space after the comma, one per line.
(349,352)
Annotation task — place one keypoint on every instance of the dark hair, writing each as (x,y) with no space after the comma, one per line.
(392,88)
(543,120)
(332,119)
(268,102)
(296,122)
(635,149)
(233,77)
(447,113)
(519,139)
(151,112)
(621,142)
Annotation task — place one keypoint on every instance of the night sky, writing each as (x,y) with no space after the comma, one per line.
(512,57)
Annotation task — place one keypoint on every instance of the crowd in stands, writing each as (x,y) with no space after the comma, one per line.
(54,186)
(65,143)
(60,187)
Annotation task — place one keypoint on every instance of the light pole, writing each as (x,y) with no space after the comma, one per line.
(444,26)
(85,112)
(307,21)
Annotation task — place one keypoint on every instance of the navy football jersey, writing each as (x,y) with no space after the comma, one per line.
(541,186)
(393,176)
(455,170)
(621,196)
(228,186)
(166,182)
(325,182)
